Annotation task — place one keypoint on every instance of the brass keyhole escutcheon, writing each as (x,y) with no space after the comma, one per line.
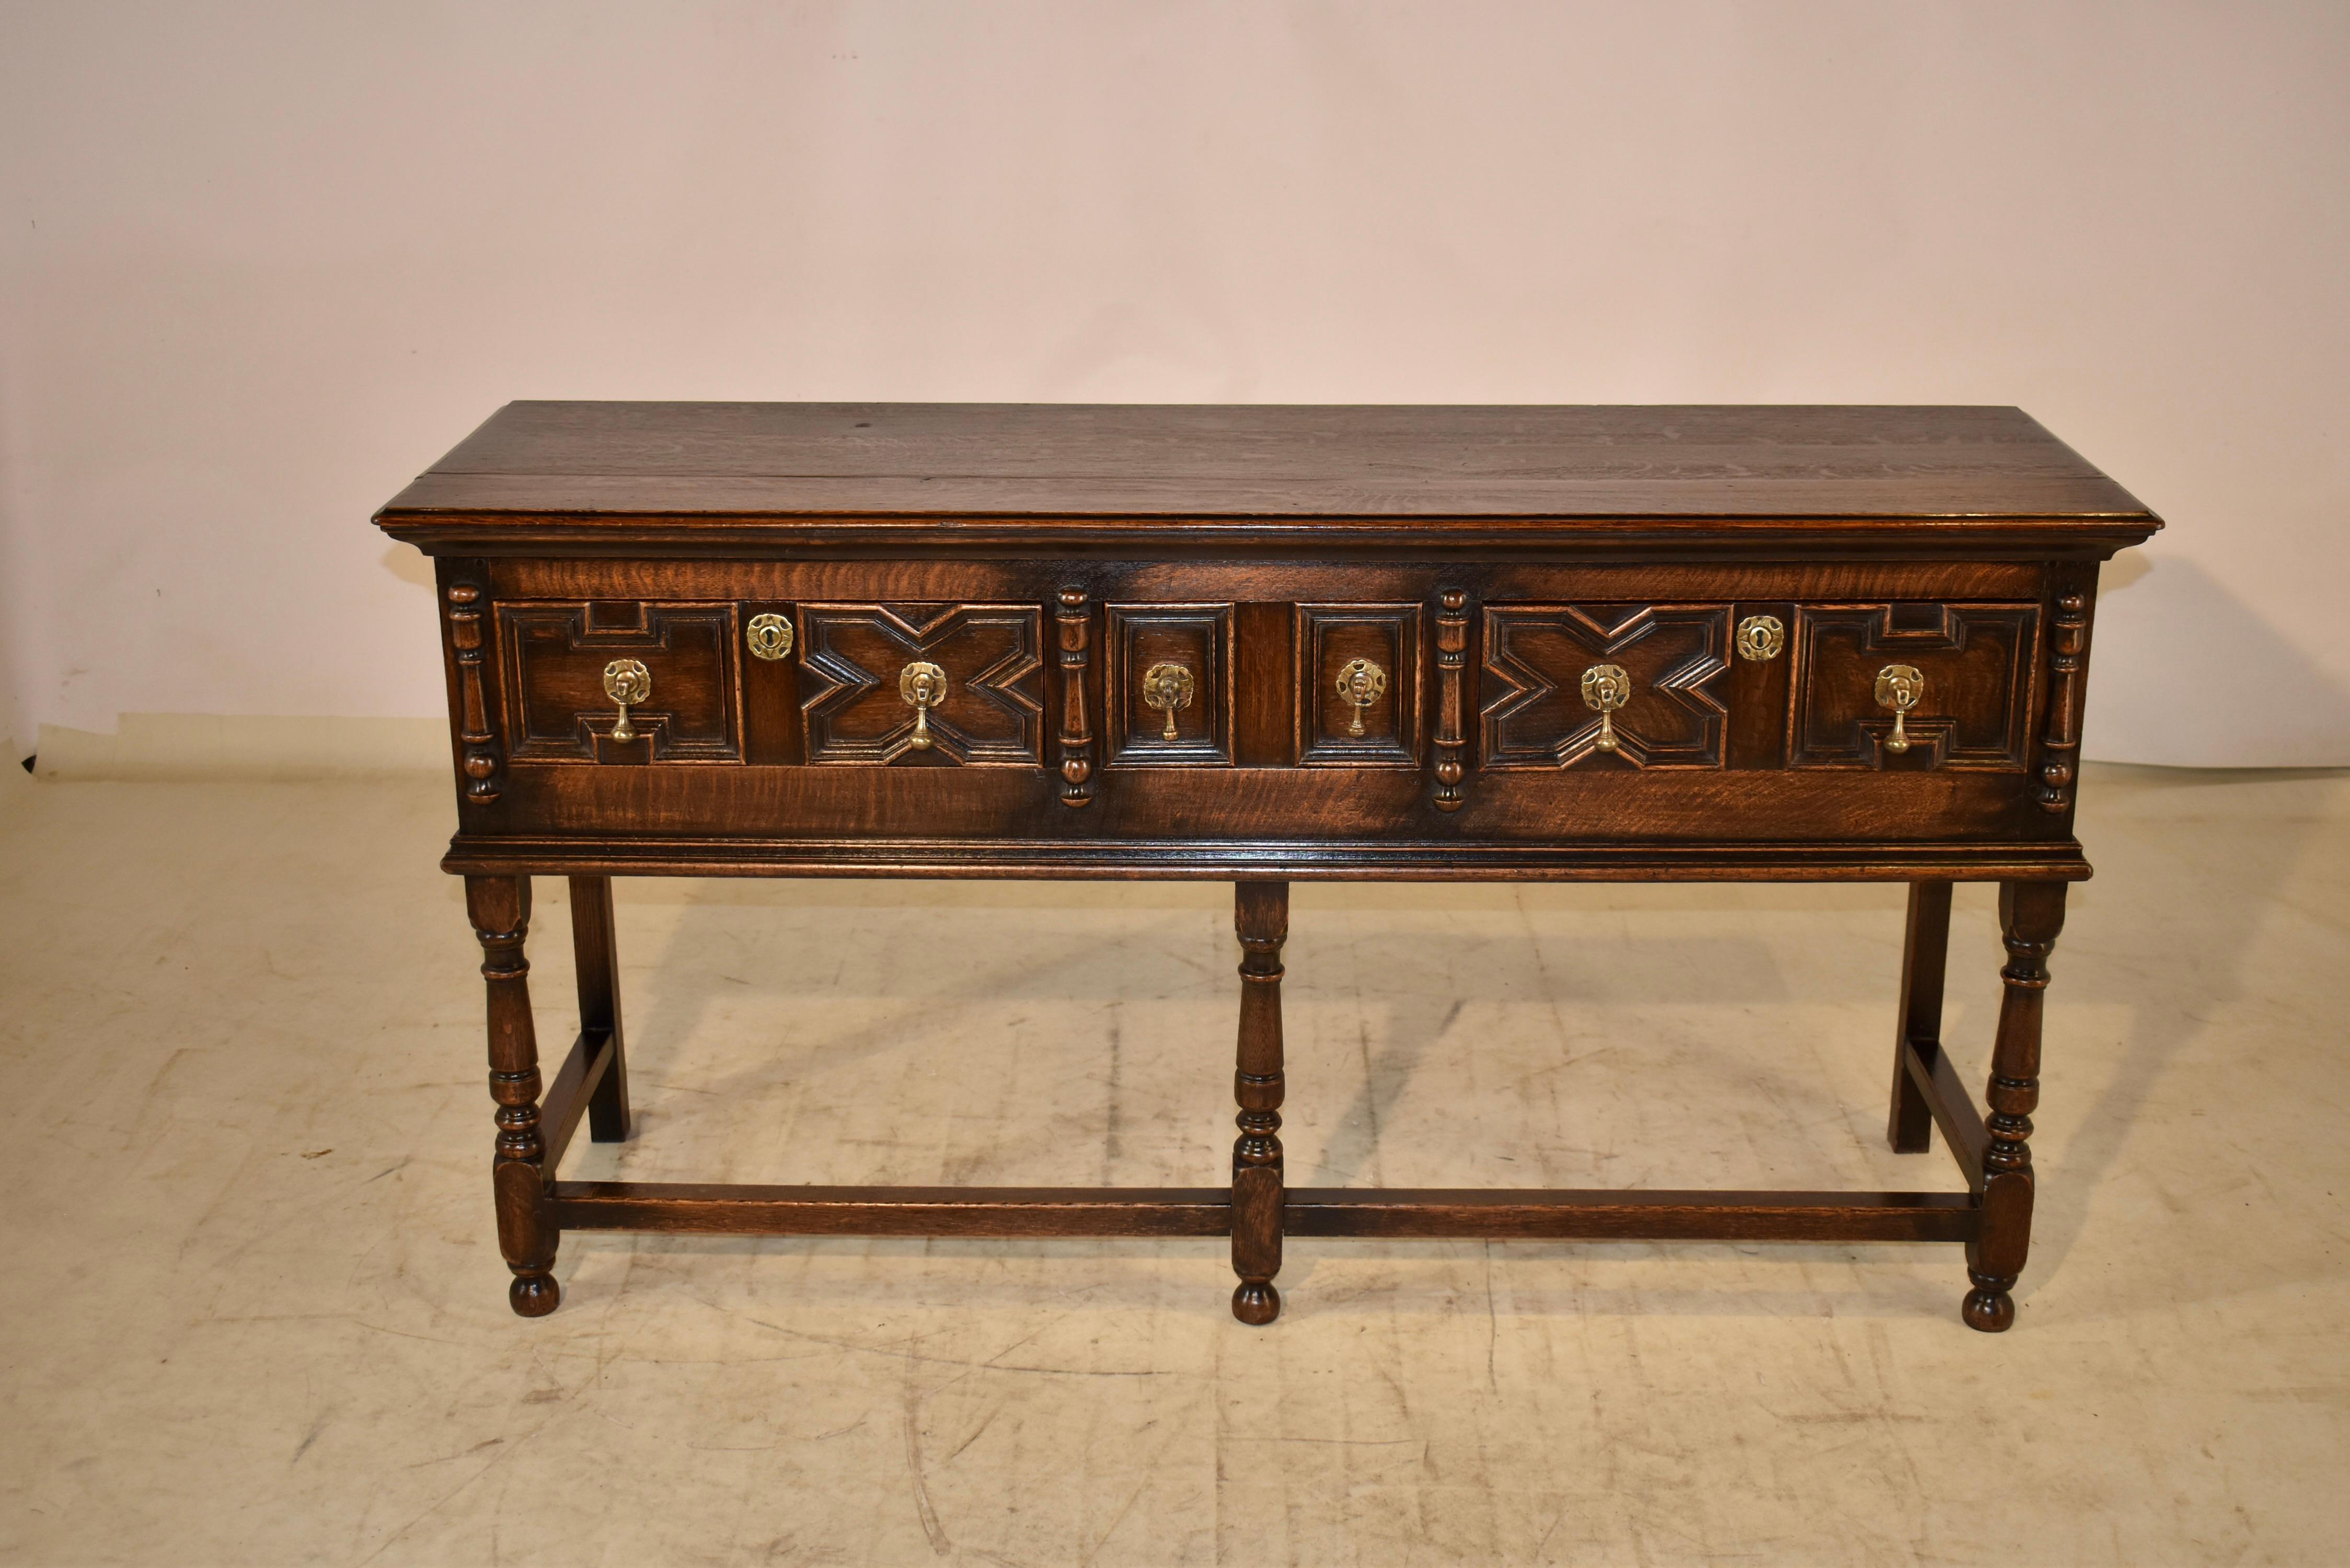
(1761,636)
(1360,684)
(770,636)
(1606,687)
(1899,687)
(1165,689)
(629,684)
(924,685)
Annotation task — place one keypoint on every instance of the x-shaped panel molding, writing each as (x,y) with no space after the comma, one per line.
(1533,713)
(992,714)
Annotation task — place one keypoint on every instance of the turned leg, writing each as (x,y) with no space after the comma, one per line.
(1923,952)
(500,909)
(2030,916)
(1261,916)
(597,959)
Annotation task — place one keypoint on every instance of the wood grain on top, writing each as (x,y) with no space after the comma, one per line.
(1103,462)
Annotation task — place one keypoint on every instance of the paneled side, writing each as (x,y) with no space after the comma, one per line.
(852,657)
(1196,638)
(556,655)
(1358,691)
(1979,664)
(1535,657)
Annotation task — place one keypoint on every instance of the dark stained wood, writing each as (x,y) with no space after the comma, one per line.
(1953,1108)
(1535,656)
(1328,638)
(1451,704)
(1265,705)
(572,462)
(771,695)
(1343,811)
(556,656)
(1197,637)
(1792,575)
(1979,662)
(1261,918)
(1565,1214)
(596,957)
(2031,914)
(499,908)
(2074,589)
(1216,861)
(1919,1031)
(586,1068)
(1044,557)
(854,711)
(1074,623)
(736,1209)
(1541,1214)
(466,649)
(1756,690)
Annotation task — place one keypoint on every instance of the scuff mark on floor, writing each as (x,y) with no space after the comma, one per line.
(923,1510)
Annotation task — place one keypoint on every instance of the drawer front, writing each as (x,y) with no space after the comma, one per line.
(1531,704)
(859,704)
(557,654)
(1358,697)
(1169,684)
(1975,667)
(1348,705)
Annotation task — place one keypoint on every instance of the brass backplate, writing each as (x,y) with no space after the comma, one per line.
(769,636)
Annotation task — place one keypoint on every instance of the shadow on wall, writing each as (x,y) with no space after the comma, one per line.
(2182,673)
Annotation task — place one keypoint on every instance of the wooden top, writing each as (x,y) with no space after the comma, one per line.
(1475,467)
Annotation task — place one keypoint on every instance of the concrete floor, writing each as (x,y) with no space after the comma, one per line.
(253,1310)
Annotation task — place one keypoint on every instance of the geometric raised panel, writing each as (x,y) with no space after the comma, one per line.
(1330,637)
(1978,662)
(556,708)
(1197,639)
(992,712)
(1532,706)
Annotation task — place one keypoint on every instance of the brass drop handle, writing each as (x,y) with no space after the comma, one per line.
(1165,689)
(1899,687)
(924,685)
(629,684)
(1606,687)
(1360,684)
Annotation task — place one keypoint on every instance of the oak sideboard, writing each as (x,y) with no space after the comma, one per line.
(1263,644)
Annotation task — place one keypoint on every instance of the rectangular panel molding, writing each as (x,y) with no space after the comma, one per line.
(1979,664)
(1195,639)
(1359,669)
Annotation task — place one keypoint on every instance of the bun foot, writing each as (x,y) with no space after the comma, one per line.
(535,1296)
(1988,1311)
(1254,1303)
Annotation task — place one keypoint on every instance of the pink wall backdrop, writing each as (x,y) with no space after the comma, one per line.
(260,262)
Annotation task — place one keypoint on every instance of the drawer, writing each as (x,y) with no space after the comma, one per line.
(1540,674)
(1358,697)
(1971,667)
(1016,703)
(556,656)
(954,685)
(1170,691)
(1966,669)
